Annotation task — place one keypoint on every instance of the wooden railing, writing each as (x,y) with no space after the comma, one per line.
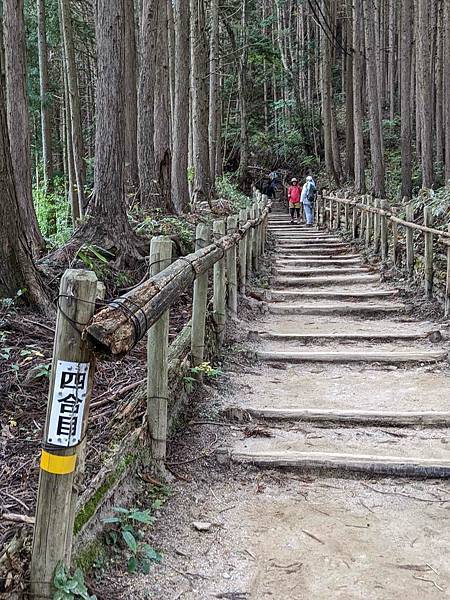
(369,220)
(232,248)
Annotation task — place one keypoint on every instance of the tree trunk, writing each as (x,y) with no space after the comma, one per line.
(392,46)
(146,123)
(213,88)
(349,116)
(200,98)
(17,111)
(446,101)
(132,175)
(376,137)
(163,153)
(107,223)
(425,92)
(358,86)
(45,109)
(180,138)
(242,93)
(74,102)
(405,96)
(17,270)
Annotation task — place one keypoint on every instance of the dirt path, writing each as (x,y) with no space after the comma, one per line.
(334,344)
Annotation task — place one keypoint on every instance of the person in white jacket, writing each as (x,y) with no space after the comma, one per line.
(308,192)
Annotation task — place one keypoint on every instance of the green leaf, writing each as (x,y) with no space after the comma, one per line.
(143,516)
(152,554)
(60,576)
(145,566)
(111,520)
(122,511)
(132,564)
(60,595)
(130,541)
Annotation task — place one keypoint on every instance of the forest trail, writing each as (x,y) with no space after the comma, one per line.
(349,391)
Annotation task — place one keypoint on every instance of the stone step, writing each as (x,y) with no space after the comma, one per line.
(325,281)
(362,356)
(369,336)
(343,308)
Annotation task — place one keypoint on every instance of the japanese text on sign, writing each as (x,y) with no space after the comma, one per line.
(68,403)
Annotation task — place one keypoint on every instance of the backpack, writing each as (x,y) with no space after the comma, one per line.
(311,193)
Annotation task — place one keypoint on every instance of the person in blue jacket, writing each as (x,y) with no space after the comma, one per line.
(308,196)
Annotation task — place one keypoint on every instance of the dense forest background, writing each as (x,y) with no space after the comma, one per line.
(116,109)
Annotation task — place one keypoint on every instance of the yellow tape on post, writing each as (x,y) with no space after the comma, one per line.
(58,465)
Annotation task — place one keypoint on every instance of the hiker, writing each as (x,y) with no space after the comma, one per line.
(294,197)
(307,199)
(272,187)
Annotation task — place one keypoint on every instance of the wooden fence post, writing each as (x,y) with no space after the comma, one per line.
(384,240)
(232,268)
(447,287)
(428,252)
(410,242)
(346,215)
(200,300)
(251,214)
(395,245)
(376,227)
(362,220)
(157,366)
(69,397)
(369,223)
(354,222)
(219,295)
(255,242)
(243,216)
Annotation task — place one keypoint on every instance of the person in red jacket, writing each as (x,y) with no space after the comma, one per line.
(294,196)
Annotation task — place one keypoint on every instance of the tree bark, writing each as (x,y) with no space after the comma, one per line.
(376,137)
(358,86)
(180,139)
(242,93)
(200,100)
(162,139)
(446,101)
(425,93)
(45,109)
(146,92)
(74,102)
(17,111)
(214,88)
(17,270)
(349,116)
(107,223)
(132,175)
(405,96)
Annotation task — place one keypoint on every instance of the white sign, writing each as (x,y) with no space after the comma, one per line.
(68,403)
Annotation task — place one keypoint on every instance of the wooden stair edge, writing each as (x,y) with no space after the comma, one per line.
(387,357)
(365,417)
(390,466)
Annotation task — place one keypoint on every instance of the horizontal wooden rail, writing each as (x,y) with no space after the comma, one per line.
(116,328)
(442,235)
(371,222)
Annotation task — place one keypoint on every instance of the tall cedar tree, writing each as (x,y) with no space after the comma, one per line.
(17,270)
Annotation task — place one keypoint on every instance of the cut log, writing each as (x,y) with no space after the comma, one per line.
(118,327)
(343,357)
(357,417)
(372,464)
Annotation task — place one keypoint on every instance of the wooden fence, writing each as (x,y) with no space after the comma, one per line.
(370,221)
(232,248)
